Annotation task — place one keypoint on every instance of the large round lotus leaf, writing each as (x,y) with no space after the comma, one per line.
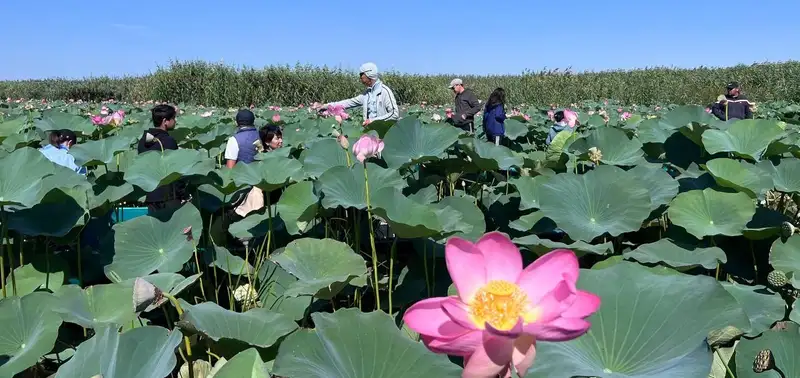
(785,256)
(709,212)
(12,126)
(783,342)
(411,142)
(742,176)
(152,169)
(765,224)
(110,188)
(660,185)
(410,219)
(247,364)
(100,152)
(172,283)
(322,266)
(561,143)
(298,207)
(541,246)
(654,131)
(786,175)
(606,199)
(747,138)
(215,137)
(40,274)
(322,155)
(653,326)
(109,303)
(220,257)
(346,187)
(56,120)
(56,215)
(676,255)
(27,138)
(273,281)
(471,223)
(528,188)
(258,327)
(350,343)
(515,128)
(257,225)
(687,115)
(490,157)
(614,145)
(29,331)
(269,174)
(761,306)
(145,244)
(141,352)
(21,175)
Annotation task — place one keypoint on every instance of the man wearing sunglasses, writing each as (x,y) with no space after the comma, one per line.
(377,101)
(466,104)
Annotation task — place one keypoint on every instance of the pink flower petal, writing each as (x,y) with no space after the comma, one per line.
(503,260)
(555,303)
(463,345)
(547,271)
(466,266)
(427,318)
(458,313)
(513,333)
(560,329)
(490,358)
(585,304)
(524,353)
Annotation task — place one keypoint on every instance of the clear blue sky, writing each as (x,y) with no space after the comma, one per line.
(83,38)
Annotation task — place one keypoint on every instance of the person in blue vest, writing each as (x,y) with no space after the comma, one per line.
(245,144)
(57,150)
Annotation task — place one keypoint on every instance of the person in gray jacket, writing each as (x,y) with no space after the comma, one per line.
(377,101)
(467,105)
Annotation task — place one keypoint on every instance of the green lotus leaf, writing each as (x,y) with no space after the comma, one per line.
(471,223)
(561,144)
(145,244)
(273,281)
(687,115)
(13,126)
(761,306)
(346,187)
(29,331)
(785,256)
(322,266)
(411,142)
(606,199)
(660,185)
(528,188)
(26,139)
(785,176)
(350,343)
(56,215)
(783,342)
(677,255)
(515,129)
(614,144)
(216,136)
(257,225)
(654,326)
(268,174)
(247,364)
(153,169)
(541,246)
(490,157)
(324,154)
(101,152)
(409,219)
(140,352)
(40,274)
(95,305)
(21,177)
(56,120)
(710,212)
(742,176)
(298,206)
(654,131)
(109,189)
(258,327)
(747,138)
(221,258)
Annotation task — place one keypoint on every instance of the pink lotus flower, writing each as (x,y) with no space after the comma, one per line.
(115,119)
(274,108)
(658,108)
(334,110)
(104,110)
(526,117)
(625,116)
(300,106)
(276,118)
(448,113)
(551,114)
(338,118)
(367,146)
(708,110)
(570,117)
(502,309)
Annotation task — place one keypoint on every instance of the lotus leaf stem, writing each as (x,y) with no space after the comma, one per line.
(372,241)
(180,315)
(391,273)
(3,237)
(197,262)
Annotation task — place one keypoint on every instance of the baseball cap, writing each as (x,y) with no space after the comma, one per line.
(245,118)
(455,82)
(733,85)
(369,69)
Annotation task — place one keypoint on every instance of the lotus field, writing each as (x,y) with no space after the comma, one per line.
(649,242)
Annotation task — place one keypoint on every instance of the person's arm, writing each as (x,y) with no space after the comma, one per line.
(748,110)
(474,104)
(71,163)
(169,143)
(348,103)
(718,111)
(231,152)
(395,111)
(500,115)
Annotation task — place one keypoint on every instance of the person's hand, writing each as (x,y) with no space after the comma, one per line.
(366,122)
(463,116)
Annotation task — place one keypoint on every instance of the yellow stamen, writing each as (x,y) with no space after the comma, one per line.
(500,303)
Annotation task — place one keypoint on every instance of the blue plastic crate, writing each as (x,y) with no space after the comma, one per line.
(128,213)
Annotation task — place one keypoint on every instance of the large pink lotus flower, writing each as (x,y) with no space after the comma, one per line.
(526,117)
(334,110)
(367,146)
(625,116)
(708,110)
(502,309)
(276,118)
(115,119)
(551,115)
(570,117)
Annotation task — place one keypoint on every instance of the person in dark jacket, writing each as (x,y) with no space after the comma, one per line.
(733,105)
(172,195)
(466,104)
(494,117)
(245,143)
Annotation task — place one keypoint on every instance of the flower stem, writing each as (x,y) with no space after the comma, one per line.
(391,272)
(180,315)
(372,242)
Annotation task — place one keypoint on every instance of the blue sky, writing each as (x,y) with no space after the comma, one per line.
(94,38)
